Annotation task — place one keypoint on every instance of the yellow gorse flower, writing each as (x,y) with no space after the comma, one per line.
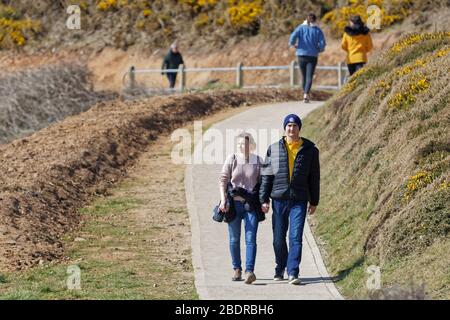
(105,5)
(416,38)
(417,182)
(416,85)
(443,52)
(13,29)
(338,18)
(147,12)
(444,186)
(244,13)
(405,98)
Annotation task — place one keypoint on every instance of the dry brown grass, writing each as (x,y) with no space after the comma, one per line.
(32,99)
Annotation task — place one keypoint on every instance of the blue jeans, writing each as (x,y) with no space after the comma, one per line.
(307,67)
(288,214)
(234,231)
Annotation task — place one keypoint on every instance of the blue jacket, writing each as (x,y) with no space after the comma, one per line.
(309,39)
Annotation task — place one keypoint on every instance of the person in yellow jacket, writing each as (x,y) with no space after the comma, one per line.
(357,42)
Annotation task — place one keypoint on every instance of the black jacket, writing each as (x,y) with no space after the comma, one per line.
(172,60)
(305,182)
(356,30)
(252,198)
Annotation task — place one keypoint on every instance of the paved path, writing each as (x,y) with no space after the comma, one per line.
(211,257)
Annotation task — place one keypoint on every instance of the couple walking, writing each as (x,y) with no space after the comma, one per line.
(290,176)
(309,41)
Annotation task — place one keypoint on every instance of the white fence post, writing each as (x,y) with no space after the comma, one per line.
(293,79)
(182,77)
(239,75)
(340,75)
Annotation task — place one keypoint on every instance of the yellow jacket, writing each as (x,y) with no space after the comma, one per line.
(357,47)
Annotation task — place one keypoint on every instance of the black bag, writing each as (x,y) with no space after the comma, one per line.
(217,214)
(228,216)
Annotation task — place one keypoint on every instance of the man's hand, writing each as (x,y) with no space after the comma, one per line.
(312,209)
(265,207)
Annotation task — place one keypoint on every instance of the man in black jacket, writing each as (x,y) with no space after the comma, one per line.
(172,60)
(291,177)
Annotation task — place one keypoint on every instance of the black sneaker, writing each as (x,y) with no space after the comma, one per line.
(278,277)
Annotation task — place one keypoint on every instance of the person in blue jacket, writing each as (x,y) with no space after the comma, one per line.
(309,41)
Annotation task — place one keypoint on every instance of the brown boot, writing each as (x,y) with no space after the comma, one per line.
(237,275)
(249,277)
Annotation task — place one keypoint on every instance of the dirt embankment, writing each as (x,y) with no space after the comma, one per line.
(47,176)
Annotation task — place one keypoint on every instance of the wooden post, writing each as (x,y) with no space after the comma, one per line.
(239,75)
(340,75)
(293,79)
(132,77)
(182,77)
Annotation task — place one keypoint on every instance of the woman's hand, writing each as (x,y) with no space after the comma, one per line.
(223,205)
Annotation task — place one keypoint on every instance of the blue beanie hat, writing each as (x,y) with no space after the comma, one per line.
(292,118)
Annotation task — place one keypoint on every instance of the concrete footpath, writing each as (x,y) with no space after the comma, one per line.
(210,249)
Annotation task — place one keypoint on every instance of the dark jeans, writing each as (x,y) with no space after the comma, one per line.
(172,76)
(288,214)
(234,230)
(307,67)
(353,67)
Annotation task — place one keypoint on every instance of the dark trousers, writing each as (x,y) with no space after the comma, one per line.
(353,67)
(288,215)
(307,67)
(172,76)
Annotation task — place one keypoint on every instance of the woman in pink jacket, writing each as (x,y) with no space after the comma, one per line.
(242,170)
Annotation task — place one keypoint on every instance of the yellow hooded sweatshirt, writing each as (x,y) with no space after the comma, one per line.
(357,45)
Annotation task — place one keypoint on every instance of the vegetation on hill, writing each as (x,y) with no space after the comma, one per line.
(385,152)
(33,99)
(123,23)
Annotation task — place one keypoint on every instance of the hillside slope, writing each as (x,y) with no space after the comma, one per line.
(385,154)
(199,23)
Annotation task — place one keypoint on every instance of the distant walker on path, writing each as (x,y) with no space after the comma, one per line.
(357,42)
(309,41)
(172,60)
